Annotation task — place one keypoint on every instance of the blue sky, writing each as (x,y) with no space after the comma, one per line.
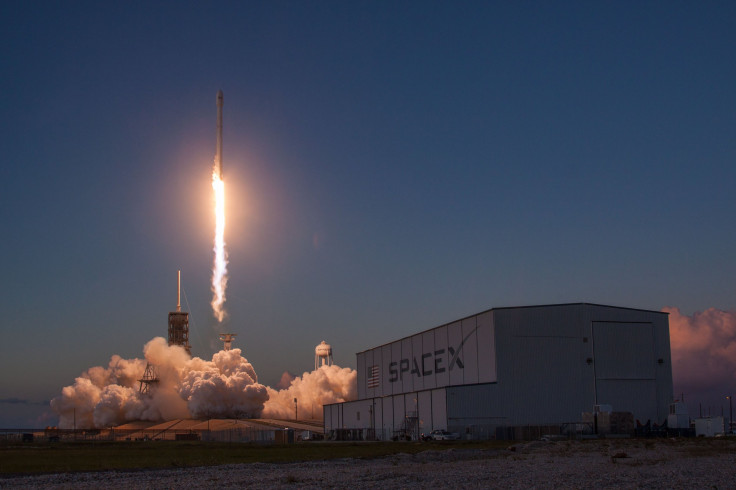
(389,167)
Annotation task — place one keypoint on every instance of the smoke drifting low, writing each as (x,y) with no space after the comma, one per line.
(703,356)
(328,384)
(225,387)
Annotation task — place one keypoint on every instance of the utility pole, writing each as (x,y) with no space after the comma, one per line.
(296,410)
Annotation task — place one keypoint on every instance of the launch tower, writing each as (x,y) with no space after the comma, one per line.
(179,322)
(149,380)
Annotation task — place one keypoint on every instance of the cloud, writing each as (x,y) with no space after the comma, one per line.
(21,401)
(14,401)
(703,354)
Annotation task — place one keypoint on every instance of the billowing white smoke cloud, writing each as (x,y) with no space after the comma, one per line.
(703,356)
(225,387)
(99,394)
(328,384)
(285,380)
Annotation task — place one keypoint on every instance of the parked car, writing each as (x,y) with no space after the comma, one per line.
(443,435)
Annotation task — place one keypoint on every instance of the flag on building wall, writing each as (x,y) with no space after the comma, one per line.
(373,377)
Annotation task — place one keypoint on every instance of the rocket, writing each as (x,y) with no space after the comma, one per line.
(218,155)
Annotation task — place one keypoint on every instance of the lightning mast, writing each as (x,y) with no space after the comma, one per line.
(179,322)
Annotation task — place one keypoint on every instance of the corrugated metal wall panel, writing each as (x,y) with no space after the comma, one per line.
(478,405)
(539,360)
(441,378)
(543,374)
(439,409)
(349,415)
(548,373)
(335,419)
(428,347)
(447,355)
(385,388)
(407,353)
(469,350)
(327,417)
(395,380)
(360,367)
(629,395)
(624,350)
(388,412)
(486,349)
(399,411)
(378,364)
(377,413)
(418,370)
(455,338)
(369,362)
(425,411)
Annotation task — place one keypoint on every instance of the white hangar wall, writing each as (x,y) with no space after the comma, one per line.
(458,353)
(418,412)
(515,366)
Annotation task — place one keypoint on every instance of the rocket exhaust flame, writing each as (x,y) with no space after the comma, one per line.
(219,268)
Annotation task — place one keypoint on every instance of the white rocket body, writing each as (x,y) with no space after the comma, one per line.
(218,156)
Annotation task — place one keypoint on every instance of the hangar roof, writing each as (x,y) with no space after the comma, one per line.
(516,308)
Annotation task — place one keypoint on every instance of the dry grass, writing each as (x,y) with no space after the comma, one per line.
(29,458)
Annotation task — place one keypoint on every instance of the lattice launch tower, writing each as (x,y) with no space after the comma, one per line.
(149,381)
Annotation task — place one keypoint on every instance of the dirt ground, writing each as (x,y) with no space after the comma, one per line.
(632,463)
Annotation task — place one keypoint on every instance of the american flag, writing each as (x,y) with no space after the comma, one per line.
(373,378)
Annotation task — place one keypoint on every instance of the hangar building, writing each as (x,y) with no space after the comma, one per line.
(511,367)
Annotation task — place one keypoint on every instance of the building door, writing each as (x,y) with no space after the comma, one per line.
(625,368)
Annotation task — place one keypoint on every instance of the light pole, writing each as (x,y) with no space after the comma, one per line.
(730,413)
(296,410)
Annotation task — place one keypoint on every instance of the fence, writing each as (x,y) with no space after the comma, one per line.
(244,435)
(471,432)
(287,436)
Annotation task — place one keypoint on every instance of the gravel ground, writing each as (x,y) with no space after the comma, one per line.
(564,464)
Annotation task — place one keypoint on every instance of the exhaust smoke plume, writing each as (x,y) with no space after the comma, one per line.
(328,384)
(219,268)
(225,387)
(285,380)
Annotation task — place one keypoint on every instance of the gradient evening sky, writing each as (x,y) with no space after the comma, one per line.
(389,167)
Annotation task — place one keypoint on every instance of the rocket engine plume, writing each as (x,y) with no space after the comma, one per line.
(219,268)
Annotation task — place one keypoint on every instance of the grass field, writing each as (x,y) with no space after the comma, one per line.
(27,458)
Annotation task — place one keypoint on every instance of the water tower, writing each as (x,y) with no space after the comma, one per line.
(322,355)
